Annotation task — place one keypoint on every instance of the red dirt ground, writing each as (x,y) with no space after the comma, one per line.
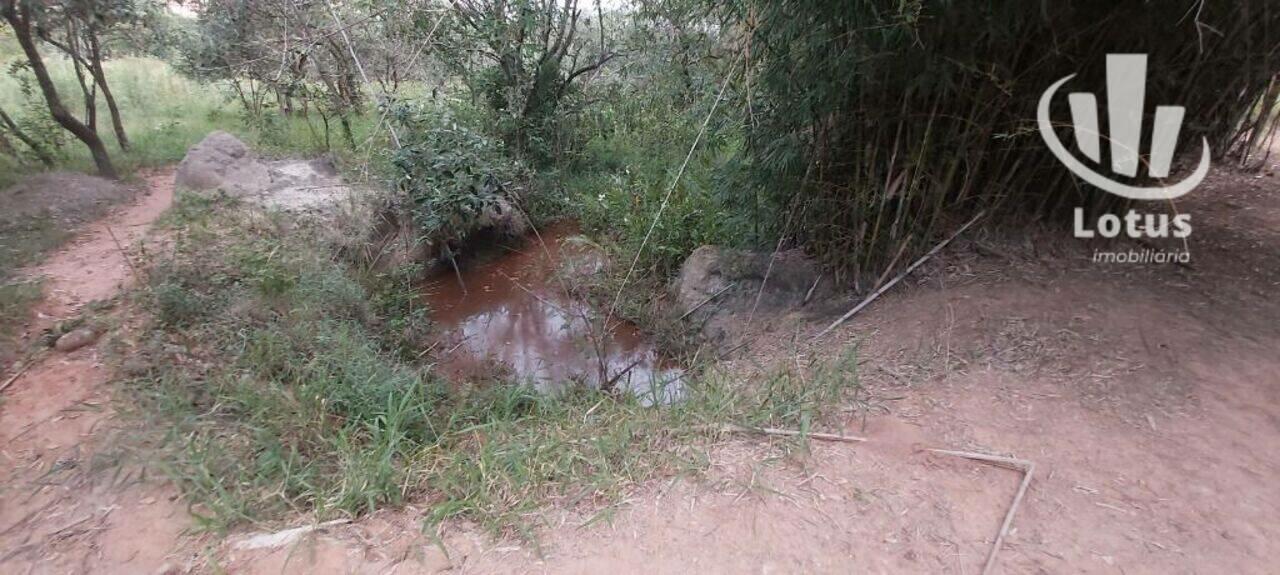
(57,515)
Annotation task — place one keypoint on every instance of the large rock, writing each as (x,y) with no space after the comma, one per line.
(718,284)
(221,162)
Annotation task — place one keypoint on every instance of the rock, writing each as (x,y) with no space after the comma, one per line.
(503,219)
(303,186)
(222,162)
(581,261)
(717,283)
(75,339)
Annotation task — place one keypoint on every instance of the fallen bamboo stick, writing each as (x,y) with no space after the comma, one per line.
(734,428)
(708,299)
(895,280)
(30,361)
(1028,469)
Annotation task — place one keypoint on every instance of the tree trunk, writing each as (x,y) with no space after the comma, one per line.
(100,76)
(88,89)
(36,148)
(19,19)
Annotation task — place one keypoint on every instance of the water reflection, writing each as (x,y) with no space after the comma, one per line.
(513,312)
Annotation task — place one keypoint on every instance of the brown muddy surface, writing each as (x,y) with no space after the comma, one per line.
(513,314)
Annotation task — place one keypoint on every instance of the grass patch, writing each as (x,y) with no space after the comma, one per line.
(280,389)
(16,299)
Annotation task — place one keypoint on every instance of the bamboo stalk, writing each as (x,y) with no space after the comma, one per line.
(865,302)
(1028,470)
(769,431)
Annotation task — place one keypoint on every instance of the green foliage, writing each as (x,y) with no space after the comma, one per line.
(236,43)
(624,202)
(452,173)
(535,55)
(636,143)
(31,114)
(165,114)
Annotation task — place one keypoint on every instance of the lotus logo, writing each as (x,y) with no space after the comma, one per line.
(1126,89)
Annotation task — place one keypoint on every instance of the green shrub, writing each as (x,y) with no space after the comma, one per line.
(451,172)
(624,176)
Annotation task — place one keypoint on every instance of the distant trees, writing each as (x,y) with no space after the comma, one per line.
(77,29)
(288,54)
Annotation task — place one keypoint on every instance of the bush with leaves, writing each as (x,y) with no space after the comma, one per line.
(452,173)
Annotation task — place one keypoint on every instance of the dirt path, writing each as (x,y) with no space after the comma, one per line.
(59,511)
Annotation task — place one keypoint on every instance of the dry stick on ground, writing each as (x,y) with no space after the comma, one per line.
(734,428)
(136,276)
(31,360)
(897,279)
(809,294)
(708,299)
(1026,467)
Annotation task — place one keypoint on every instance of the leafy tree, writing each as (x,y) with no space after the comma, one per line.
(292,52)
(79,29)
(24,16)
(8,126)
(530,54)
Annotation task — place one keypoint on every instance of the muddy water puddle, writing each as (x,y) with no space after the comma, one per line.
(512,314)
